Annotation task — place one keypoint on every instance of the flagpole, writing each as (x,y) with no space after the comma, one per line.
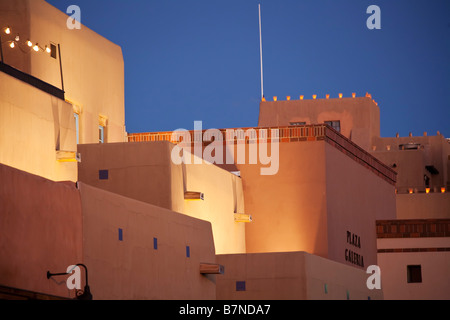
(260,52)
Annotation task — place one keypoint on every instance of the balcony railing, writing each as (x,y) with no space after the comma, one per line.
(281,134)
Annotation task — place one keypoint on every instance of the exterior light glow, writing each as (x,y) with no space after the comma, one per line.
(314,96)
(353,94)
(443,190)
(340,95)
(275,98)
(12,45)
(47,49)
(36,47)
(427,190)
(410,190)
(301,97)
(327,96)
(263,99)
(288,98)
(17,38)
(7,30)
(29,43)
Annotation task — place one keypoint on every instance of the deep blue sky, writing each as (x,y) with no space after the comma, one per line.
(199,59)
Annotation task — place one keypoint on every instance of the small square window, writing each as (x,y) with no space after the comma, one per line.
(103,174)
(336,125)
(101,134)
(240,285)
(414,274)
(52,51)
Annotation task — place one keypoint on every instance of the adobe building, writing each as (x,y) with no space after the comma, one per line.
(65,66)
(304,219)
(48,219)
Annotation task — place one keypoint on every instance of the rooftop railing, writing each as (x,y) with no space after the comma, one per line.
(282,134)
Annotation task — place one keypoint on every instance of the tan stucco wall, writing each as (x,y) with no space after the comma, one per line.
(34,125)
(223,198)
(132,268)
(423,206)
(140,171)
(41,228)
(93,67)
(288,209)
(356,198)
(435,267)
(318,194)
(359,117)
(144,171)
(290,276)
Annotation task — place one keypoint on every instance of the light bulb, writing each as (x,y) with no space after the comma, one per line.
(29,43)
(12,45)
(36,47)
(7,30)
(17,38)
(47,49)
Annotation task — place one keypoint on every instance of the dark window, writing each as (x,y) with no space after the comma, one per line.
(336,125)
(120,234)
(155,243)
(240,285)
(297,123)
(188,252)
(414,274)
(103,174)
(52,51)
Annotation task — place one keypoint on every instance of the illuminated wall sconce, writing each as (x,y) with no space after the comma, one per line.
(353,95)
(36,47)
(314,96)
(301,97)
(410,190)
(427,190)
(275,98)
(327,96)
(12,45)
(68,156)
(288,98)
(368,95)
(7,30)
(241,217)
(193,195)
(340,95)
(263,99)
(29,43)
(443,190)
(211,268)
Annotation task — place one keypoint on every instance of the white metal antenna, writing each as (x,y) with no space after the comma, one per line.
(260,52)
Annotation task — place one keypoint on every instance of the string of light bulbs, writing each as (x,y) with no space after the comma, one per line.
(16,43)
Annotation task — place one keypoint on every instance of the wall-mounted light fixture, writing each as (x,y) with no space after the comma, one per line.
(193,195)
(81,295)
(241,217)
